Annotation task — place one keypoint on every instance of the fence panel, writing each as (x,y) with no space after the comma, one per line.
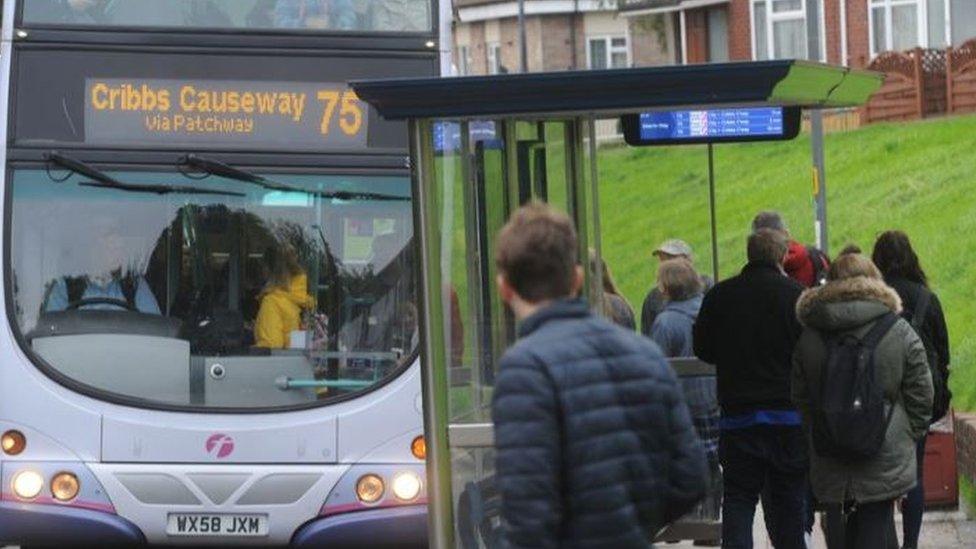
(961,78)
(916,85)
(901,95)
(933,63)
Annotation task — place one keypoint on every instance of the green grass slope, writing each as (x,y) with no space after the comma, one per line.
(918,177)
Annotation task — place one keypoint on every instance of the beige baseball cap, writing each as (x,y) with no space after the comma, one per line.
(674,247)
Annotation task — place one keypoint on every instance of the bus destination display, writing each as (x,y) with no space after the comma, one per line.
(224,112)
(709,124)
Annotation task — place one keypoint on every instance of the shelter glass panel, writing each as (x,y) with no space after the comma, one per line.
(472,202)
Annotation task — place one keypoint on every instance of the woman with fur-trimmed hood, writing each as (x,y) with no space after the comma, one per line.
(854,298)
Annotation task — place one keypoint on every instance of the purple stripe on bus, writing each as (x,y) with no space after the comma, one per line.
(46,500)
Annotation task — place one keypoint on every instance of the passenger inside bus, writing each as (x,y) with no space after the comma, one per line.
(115,285)
(283,301)
(199,13)
(358,15)
(403,15)
(316,14)
(88,12)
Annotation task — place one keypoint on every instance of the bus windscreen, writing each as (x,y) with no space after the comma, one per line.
(712,125)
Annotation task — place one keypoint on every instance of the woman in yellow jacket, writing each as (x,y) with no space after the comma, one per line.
(283,299)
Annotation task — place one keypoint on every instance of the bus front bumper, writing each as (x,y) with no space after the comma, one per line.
(26,523)
(389,527)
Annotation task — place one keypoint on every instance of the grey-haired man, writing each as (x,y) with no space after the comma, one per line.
(654,302)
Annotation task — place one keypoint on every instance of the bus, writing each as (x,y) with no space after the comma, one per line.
(210,332)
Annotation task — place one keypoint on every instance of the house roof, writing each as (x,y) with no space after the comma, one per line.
(619,91)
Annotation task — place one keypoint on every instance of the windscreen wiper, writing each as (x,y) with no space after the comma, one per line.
(105,181)
(221,169)
(158,189)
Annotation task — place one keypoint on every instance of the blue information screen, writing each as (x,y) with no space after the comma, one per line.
(447,135)
(712,123)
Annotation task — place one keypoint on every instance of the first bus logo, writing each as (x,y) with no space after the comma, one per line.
(220,445)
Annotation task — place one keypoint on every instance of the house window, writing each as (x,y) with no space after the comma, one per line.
(463,61)
(787,29)
(494,52)
(905,24)
(607,52)
(718,35)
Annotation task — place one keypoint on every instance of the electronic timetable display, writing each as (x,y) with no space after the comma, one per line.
(712,125)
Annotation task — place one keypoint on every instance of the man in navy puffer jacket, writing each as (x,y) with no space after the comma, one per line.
(595,445)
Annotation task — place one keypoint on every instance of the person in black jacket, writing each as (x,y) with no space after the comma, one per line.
(898,263)
(747,328)
(595,445)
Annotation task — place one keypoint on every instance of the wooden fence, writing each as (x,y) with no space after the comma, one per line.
(960,80)
(899,98)
(923,82)
(933,71)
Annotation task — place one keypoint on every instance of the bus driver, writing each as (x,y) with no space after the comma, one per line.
(116,286)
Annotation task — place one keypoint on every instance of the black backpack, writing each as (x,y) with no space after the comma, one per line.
(820,265)
(940,374)
(850,414)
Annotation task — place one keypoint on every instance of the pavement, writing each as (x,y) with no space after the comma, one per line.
(940,530)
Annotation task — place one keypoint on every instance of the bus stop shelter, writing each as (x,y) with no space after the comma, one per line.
(480,147)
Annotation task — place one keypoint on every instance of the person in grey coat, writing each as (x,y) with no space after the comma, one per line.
(681,287)
(853,300)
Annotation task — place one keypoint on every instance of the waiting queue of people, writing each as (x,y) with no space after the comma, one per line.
(796,408)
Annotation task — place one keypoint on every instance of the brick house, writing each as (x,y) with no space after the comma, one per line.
(560,35)
(576,34)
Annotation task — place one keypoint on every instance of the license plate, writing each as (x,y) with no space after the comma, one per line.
(187,524)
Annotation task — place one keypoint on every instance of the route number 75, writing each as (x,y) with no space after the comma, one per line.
(350,113)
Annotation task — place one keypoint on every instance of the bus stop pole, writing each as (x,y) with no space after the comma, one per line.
(819,181)
(433,364)
(711,209)
(594,174)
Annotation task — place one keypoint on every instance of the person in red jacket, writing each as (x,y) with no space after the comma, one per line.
(805,264)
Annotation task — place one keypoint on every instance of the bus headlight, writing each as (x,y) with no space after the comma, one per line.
(13,442)
(369,488)
(65,486)
(406,486)
(28,484)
